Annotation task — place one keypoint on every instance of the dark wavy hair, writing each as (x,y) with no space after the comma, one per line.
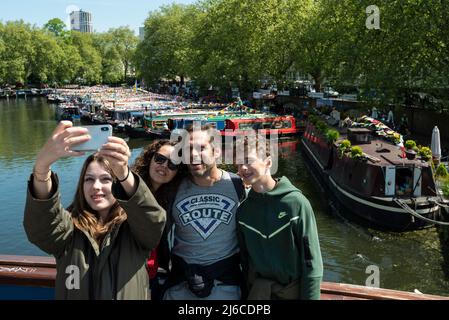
(141,166)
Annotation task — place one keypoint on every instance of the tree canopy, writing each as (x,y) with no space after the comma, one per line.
(53,55)
(240,42)
(226,43)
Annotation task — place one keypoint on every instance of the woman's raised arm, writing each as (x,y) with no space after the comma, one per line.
(59,145)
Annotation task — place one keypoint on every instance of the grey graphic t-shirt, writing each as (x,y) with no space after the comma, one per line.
(205,226)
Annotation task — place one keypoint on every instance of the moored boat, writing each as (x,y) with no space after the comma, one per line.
(376,184)
(68,112)
(283,126)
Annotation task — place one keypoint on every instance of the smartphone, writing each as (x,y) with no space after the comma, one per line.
(99,136)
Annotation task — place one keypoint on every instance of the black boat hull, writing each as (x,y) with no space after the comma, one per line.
(374,212)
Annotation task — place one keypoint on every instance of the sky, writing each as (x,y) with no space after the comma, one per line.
(106,14)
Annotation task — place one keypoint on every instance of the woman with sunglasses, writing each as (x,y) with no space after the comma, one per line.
(102,241)
(163,178)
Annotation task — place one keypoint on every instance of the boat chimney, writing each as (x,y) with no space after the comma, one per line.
(359,136)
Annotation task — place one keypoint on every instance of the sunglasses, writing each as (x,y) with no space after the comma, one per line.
(160,159)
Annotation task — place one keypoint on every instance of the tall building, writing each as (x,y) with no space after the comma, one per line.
(81,21)
(142,33)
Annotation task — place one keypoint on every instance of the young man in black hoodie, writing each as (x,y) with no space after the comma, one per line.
(277,232)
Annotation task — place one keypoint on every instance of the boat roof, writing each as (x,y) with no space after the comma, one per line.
(383,153)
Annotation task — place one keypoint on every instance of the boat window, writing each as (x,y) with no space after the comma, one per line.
(277,125)
(213,124)
(266,125)
(281,124)
(245,125)
(287,124)
(404,181)
(159,124)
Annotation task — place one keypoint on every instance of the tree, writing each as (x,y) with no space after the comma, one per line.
(125,43)
(90,68)
(48,55)
(165,51)
(242,42)
(112,67)
(2,59)
(18,52)
(226,42)
(57,27)
(408,52)
(69,67)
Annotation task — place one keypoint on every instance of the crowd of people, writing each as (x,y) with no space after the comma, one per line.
(217,235)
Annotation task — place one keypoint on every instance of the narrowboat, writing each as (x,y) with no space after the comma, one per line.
(161,125)
(218,122)
(33,278)
(369,179)
(68,112)
(283,126)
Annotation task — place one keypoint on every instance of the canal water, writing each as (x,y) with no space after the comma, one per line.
(405,261)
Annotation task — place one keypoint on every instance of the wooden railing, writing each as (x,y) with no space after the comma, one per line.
(41,272)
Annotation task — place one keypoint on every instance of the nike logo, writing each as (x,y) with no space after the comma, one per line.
(281,215)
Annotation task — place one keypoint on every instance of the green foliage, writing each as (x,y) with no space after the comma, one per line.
(18,52)
(321,126)
(57,27)
(356,152)
(54,55)
(446,190)
(89,72)
(313,119)
(124,43)
(410,144)
(228,43)
(332,135)
(343,147)
(425,153)
(117,49)
(167,51)
(442,171)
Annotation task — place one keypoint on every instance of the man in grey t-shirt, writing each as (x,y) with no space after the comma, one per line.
(205,253)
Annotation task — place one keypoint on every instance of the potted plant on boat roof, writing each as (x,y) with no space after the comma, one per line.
(445,190)
(410,152)
(425,153)
(356,152)
(332,136)
(441,172)
(343,147)
(442,180)
(321,126)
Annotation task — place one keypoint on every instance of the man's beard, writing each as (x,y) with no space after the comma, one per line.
(204,172)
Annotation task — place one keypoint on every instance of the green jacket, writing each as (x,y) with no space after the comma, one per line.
(279,240)
(117,270)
